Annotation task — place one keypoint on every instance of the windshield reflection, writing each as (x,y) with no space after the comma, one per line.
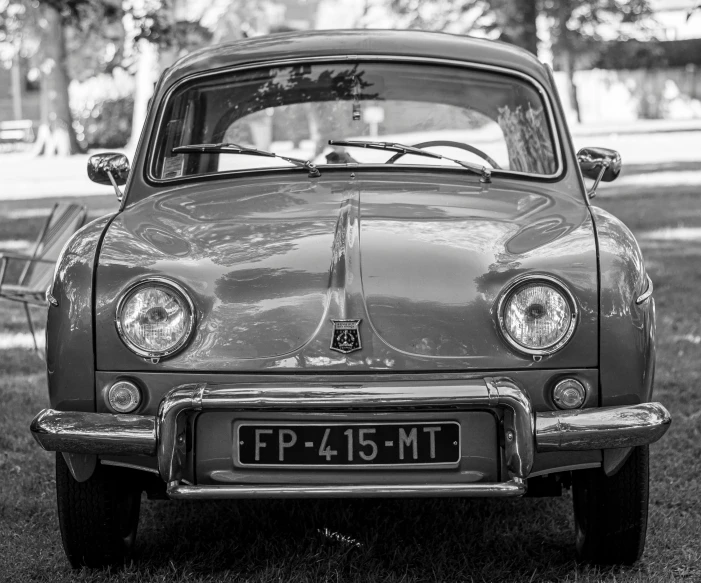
(293,111)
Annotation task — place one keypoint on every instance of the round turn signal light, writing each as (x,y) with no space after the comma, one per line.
(124,397)
(569,394)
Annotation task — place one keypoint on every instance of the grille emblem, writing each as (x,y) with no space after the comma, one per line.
(346,336)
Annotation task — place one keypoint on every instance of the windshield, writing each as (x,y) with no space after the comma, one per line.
(482,118)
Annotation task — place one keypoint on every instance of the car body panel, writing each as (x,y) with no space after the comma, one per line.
(420,261)
(70,360)
(627,349)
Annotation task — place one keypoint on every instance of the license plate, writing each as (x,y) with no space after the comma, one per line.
(348,445)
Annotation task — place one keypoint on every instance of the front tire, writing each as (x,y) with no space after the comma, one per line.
(98,517)
(610,513)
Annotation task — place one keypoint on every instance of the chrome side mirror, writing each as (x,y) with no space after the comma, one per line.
(599,164)
(109,168)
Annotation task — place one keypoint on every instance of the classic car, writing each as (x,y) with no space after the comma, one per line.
(352,264)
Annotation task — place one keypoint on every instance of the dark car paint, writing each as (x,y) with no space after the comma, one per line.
(421,261)
(70,350)
(627,348)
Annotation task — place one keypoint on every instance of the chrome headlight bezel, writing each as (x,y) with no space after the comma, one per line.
(172,287)
(517,284)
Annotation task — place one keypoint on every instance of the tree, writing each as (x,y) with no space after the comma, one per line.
(516,22)
(457,16)
(512,21)
(575,26)
(56,134)
(15,43)
(39,30)
(163,30)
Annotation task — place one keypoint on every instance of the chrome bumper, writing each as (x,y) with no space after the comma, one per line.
(86,433)
(525,431)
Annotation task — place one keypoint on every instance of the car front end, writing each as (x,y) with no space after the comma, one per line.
(359,321)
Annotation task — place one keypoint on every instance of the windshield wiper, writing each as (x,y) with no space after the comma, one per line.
(237,149)
(484,173)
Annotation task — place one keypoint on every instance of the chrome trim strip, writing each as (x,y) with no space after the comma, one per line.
(601,428)
(359,57)
(519,421)
(170,428)
(492,392)
(647,293)
(130,466)
(514,487)
(75,432)
(372,396)
(179,290)
(49,296)
(511,288)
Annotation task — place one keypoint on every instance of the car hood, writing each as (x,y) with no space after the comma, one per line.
(419,260)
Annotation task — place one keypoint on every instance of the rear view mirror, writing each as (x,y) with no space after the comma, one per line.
(109,168)
(599,164)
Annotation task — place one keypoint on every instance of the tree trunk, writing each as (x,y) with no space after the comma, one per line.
(16,87)
(152,60)
(571,87)
(517,21)
(56,135)
(145,79)
(565,49)
(314,130)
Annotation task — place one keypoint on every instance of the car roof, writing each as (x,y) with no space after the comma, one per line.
(348,42)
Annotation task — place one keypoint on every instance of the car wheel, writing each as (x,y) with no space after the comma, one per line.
(98,517)
(610,513)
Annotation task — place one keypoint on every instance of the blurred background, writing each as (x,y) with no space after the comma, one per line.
(76,77)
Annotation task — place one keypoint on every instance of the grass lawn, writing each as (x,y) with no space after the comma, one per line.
(390,540)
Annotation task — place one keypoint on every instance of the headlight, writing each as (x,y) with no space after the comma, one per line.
(537,315)
(155,318)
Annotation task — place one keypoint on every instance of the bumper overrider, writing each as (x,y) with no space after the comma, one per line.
(525,432)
